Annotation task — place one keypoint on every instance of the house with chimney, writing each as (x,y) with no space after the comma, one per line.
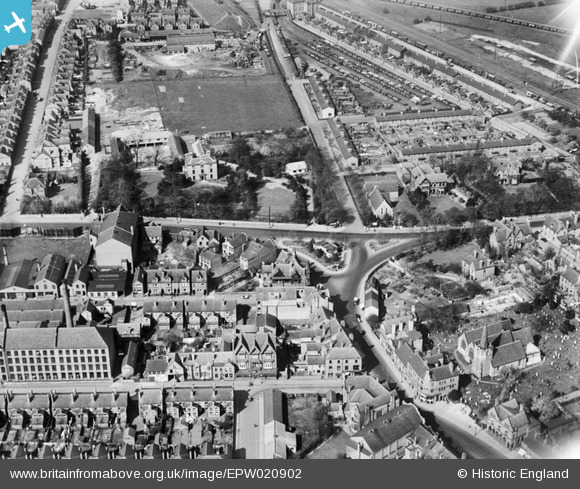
(365,400)
(77,279)
(28,410)
(431,377)
(164,281)
(509,235)
(510,424)
(99,409)
(151,406)
(477,265)
(256,254)
(188,404)
(234,245)
(211,365)
(286,270)
(394,436)
(256,354)
(51,271)
(570,284)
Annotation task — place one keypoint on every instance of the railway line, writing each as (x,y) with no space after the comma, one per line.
(462,61)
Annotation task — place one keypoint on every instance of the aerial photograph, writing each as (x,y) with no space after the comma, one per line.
(290,229)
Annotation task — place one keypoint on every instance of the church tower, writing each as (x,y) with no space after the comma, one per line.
(482,353)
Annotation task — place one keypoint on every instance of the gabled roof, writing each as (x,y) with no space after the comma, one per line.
(509,353)
(377,199)
(387,429)
(52,268)
(119,225)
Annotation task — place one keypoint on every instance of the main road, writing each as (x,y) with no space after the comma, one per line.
(344,287)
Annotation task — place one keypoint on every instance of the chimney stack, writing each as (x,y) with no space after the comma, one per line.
(67,308)
(5,253)
(5,322)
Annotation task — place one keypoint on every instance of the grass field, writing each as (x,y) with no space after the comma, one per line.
(278,198)
(203,105)
(150,179)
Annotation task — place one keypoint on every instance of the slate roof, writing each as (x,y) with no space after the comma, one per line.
(387,429)
(509,353)
(58,338)
(17,275)
(117,226)
(52,268)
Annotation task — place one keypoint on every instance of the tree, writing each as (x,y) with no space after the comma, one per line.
(374,321)
(455,216)
(173,340)
(545,407)
(550,253)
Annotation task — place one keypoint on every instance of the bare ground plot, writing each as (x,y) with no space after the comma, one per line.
(203,105)
(22,248)
(212,63)
(275,197)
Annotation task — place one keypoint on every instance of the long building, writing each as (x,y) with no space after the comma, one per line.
(39,354)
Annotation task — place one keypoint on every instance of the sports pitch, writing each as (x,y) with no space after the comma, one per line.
(202,105)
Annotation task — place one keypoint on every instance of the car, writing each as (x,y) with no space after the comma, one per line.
(358,318)
(246,296)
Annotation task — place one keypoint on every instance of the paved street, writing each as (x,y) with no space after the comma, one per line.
(315,125)
(33,118)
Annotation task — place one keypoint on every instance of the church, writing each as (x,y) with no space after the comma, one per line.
(486,351)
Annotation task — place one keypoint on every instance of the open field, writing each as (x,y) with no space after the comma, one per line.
(22,248)
(213,104)
(278,198)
